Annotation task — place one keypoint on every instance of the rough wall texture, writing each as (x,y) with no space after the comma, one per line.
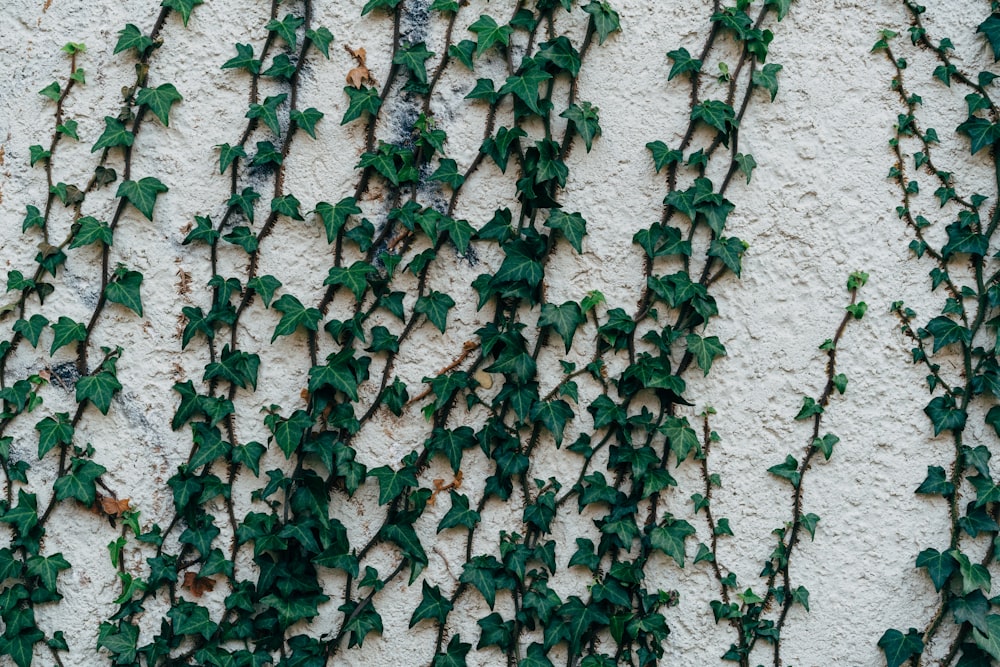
(818,207)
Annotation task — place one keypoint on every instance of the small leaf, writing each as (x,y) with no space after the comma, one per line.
(159,100)
(114,134)
(488,33)
(184,7)
(243,59)
(684,63)
(899,648)
(307,120)
(125,290)
(362,99)
(435,305)
(130,37)
(142,194)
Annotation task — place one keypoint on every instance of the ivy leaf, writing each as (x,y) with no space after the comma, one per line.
(990,641)
(307,120)
(789,470)
(560,53)
(294,315)
(413,58)
(354,278)
(183,7)
(66,332)
(525,86)
(936,483)
(454,655)
(705,350)
(98,389)
(142,194)
(944,415)
(229,153)
(281,68)
(684,63)
(459,514)
(53,432)
(334,216)
(191,619)
(243,59)
(553,415)
(321,38)
(899,648)
(746,163)
(90,231)
(481,573)
(245,202)
(715,114)
(433,606)
(69,129)
(572,225)
(991,29)
(448,173)
(980,131)
(947,331)
(605,19)
(288,432)
(391,482)
(362,99)
(47,569)
(767,78)
(940,566)
(79,482)
(435,305)
(387,5)
(730,250)
(38,153)
(564,320)
(459,231)
(586,120)
(51,91)
(488,33)
(31,328)
(662,155)
(268,111)
(159,100)
(670,537)
(130,37)
(210,444)
(285,28)
(125,290)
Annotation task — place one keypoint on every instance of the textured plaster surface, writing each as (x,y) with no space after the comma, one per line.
(818,207)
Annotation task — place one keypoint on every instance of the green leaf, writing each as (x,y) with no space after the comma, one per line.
(354,277)
(767,78)
(281,68)
(488,33)
(435,305)
(387,5)
(670,537)
(98,389)
(53,432)
(715,114)
(31,328)
(66,332)
(125,290)
(606,20)
(989,641)
(413,58)
(586,120)
(51,91)
(944,415)
(130,37)
(294,315)
(936,483)
(243,59)
(553,415)
(991,29)
(940,566)
(980,131)
(572,226)
(90,231)
(730,251)
(662,155)
(564,320)
(69,129)
(191,619)
(229,153)
(705,350)
(525,86)
(391,482)
(899,648)
(449,174)
(142,194)
(321,38)
(684,63)
(463,52)
(307,119)
(826,444)
(159,100)
(433,606)
(339,373)
(121,643)
(79,482)
(683,440)
(183,7)
(288,432)
(362,99)
(38,153)
(454,655)
(268,111)
(560,53)
(334,216)
(210,445)
(789,470)
(287,205)
(459,514)
(47,569)
(285,28)
(746,163)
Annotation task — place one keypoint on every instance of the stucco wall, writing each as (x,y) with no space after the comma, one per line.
(818,207)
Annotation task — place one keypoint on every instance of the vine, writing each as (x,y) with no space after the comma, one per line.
(261,557)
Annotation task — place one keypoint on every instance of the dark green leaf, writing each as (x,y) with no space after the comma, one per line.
(362,99)
(899,648)
(243,59)
(125,290)
(130,37)
(159,100)
(142,194)
(684,62)
(184,7)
